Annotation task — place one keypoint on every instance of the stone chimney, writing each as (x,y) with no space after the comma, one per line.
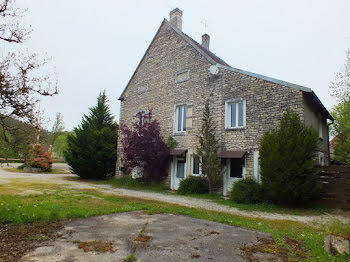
(176,18)
(205,41)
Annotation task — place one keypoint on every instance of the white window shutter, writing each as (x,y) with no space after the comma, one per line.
(189,115)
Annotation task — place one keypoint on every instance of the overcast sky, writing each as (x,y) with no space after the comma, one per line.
(97,44)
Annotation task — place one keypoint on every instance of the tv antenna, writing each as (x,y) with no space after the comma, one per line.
(205,25)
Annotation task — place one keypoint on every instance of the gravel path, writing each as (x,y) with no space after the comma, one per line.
(61,179)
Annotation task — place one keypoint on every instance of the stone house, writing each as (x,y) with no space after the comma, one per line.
(177,75)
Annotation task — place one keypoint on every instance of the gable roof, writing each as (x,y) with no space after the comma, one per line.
(210,56)
(215,60)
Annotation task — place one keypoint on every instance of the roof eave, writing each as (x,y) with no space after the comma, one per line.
(311,95)
(304,89)
(266,78)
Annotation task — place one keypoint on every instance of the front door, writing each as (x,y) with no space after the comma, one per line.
(178,172)
(234,172)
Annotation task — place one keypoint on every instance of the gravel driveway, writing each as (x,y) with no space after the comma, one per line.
(61,179)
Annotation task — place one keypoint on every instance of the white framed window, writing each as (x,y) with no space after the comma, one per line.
(180,118)
(142,118)
(235,113)
(320,129)
(195,165)
(321,158)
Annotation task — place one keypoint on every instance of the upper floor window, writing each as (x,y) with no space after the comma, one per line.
(183,118)
(235,113)
(320,128)
(140,115)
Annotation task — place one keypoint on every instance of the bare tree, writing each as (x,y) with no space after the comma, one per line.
(57,129)
(341,85)
(24,78)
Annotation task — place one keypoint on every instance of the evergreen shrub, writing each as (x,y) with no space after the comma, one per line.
(193,185)
(287,162)
(247,191)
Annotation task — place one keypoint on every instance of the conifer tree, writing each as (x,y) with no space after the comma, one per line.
(287,158)
(91,148)
(208,151)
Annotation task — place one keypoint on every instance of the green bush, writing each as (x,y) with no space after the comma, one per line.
(21,167)
(287,158)
(193,185)
(247,191)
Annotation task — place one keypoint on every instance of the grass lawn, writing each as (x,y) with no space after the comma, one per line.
(129,183)
(135,184)
(57,203)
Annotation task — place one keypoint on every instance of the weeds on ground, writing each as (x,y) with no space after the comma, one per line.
(336,227)
(130,258)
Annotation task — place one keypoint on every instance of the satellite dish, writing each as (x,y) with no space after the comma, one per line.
(213,69)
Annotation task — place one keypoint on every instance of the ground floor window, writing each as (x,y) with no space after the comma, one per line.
(195,165)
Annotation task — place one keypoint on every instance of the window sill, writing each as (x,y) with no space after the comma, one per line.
(180,133)
(234,128)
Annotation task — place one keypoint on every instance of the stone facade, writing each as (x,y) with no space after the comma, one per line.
(170,54)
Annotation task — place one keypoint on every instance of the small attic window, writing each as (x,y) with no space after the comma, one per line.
(142,89)
(182,76)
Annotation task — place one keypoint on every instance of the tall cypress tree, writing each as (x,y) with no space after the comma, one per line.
(208,151)
(92,147)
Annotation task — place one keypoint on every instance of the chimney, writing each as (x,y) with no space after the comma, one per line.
(205,41)
(176,18)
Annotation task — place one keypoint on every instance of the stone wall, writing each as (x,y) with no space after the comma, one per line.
(168,55)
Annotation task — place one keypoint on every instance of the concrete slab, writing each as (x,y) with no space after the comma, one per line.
(171,238)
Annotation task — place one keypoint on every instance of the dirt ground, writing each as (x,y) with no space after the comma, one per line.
(153,238)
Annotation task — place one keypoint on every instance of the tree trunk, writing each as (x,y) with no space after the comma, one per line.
(210,187)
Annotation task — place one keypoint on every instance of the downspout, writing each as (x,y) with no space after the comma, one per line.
(329,151)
